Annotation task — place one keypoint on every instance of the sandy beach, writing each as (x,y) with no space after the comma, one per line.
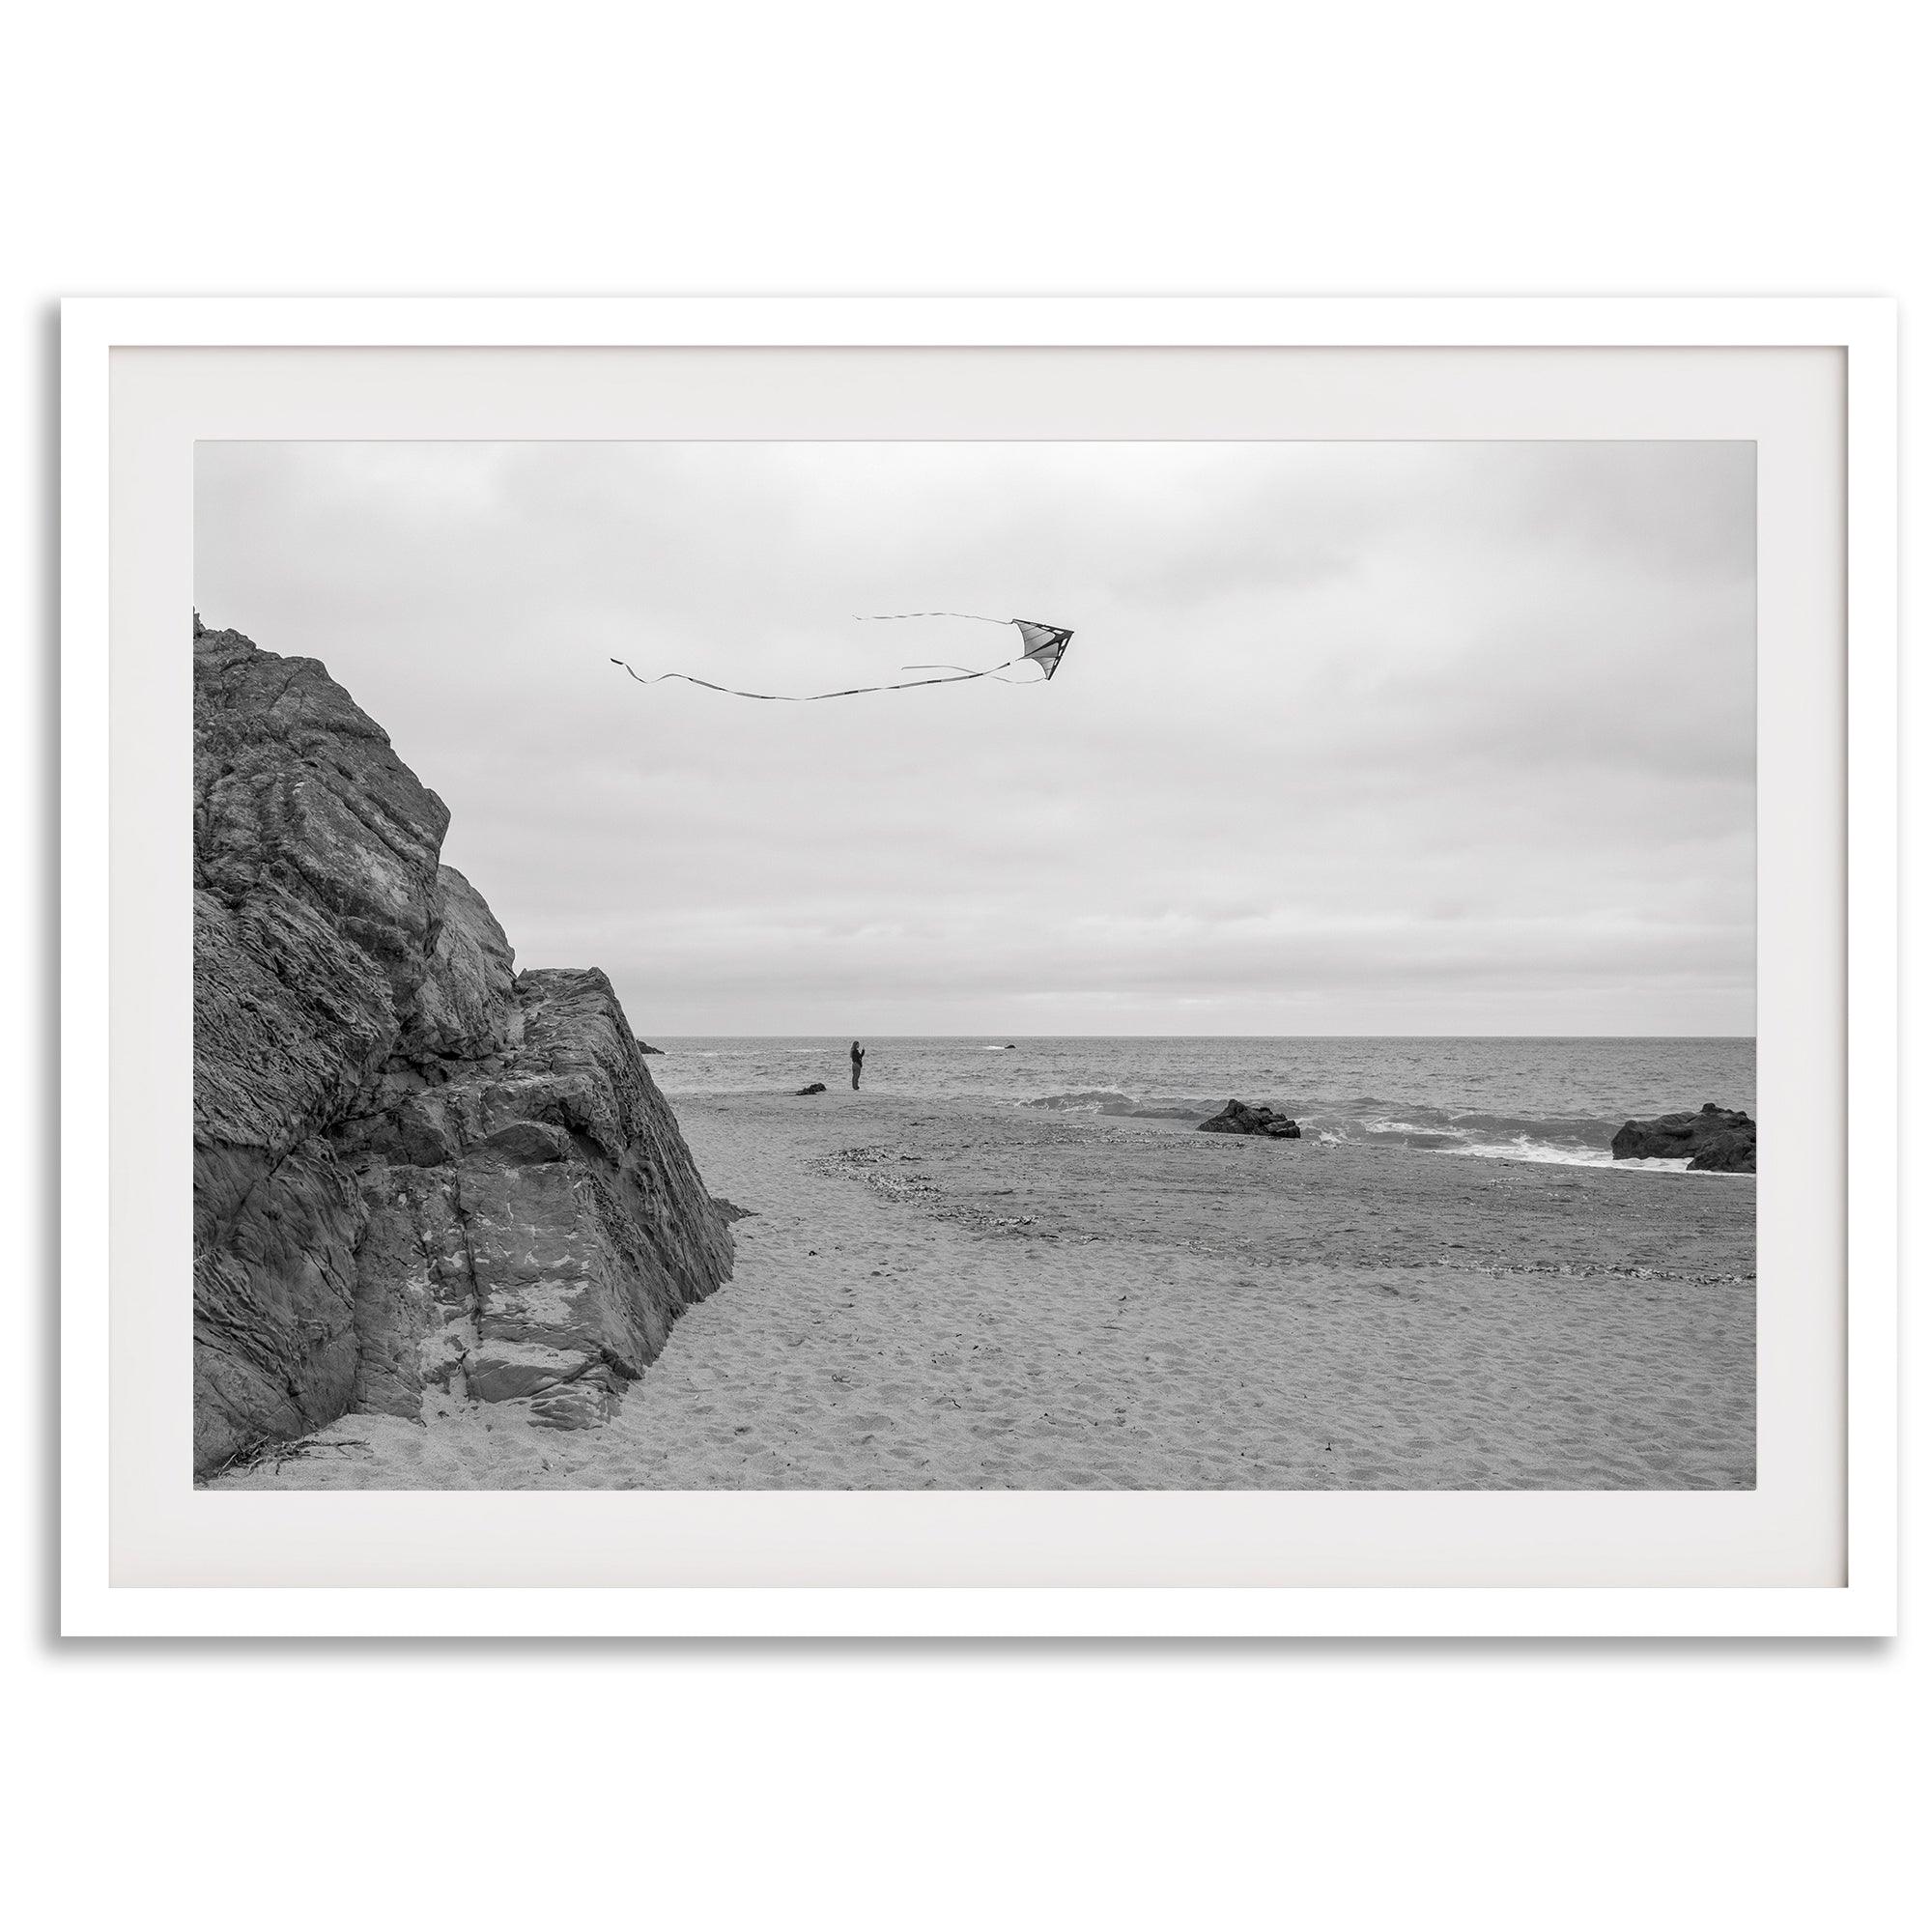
(951,1295)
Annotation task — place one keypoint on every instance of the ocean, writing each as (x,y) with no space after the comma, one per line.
(1546,1099)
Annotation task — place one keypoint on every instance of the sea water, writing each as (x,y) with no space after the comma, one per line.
(1553,1100)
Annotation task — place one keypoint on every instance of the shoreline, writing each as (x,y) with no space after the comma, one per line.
(948,1294)
(1165,1123)
(1565,1102)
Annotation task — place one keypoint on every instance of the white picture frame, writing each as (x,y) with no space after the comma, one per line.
(107,1589)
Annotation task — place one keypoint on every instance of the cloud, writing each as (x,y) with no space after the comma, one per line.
(1373,737)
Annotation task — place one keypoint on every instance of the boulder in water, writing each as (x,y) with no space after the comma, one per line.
(1718,1140)
(1237,1117)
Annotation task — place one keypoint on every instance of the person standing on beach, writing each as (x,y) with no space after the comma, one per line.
(857,1064)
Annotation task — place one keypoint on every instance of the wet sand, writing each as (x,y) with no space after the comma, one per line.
(938,1294)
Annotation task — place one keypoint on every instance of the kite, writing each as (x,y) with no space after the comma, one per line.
(1041,644)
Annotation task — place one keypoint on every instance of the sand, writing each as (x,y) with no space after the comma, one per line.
(953,1295)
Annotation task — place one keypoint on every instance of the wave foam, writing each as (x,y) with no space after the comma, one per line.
(1575,1140)
(1088,1100)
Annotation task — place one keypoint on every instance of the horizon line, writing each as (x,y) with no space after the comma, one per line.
(997,1034)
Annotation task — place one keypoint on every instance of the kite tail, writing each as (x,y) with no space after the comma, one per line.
(893,616)
(994,674)
(814,697)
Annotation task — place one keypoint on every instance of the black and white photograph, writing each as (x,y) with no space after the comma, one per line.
(965,966)
(1113,966)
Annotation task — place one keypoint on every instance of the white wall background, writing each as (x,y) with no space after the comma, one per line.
(1033,147)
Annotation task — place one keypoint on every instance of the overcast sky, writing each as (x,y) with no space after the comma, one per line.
(1351,738)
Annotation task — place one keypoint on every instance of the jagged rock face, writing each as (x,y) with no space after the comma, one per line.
(1718,1140)
(536,1222)
(315,855)
(412,1167)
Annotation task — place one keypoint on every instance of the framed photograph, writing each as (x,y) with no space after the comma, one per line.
(979,966)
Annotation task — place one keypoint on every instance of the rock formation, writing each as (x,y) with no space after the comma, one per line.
(1718,1140)
(414,1167)
(1238,1117)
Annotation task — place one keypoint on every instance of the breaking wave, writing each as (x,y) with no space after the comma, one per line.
(1090,1100)
(1111,1101)
(1567,1140)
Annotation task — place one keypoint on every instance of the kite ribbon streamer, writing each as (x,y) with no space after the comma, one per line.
(894,617)
(1045,646)
(814,697)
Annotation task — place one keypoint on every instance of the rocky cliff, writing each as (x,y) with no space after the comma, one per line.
(414,1167)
